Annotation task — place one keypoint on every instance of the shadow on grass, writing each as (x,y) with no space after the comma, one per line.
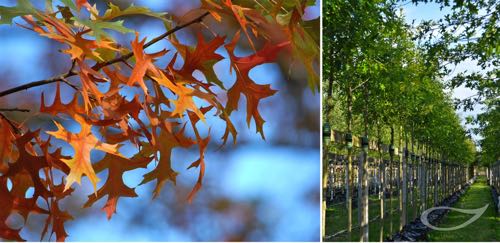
(336,220)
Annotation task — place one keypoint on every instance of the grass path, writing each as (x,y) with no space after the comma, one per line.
(486,228)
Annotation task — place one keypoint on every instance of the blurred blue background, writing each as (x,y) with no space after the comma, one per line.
(254,191)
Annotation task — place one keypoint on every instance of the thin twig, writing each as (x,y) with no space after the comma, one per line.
(34,84)
(98,66)
(64,80)
(14,109)
(361,84)
(151,42)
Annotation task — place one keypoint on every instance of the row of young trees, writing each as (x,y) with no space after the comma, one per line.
(489,129)
(379,84)
(467,35)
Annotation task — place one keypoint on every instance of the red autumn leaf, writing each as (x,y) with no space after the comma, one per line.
(6,144)
(202,146)
(203,57)
(12,202)
(30,163)
(57,218)
(244,85)
(163,170)
(6,205)
(114,186)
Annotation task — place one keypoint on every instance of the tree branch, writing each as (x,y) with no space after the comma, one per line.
(151,42)
(14,109)
(98,66)
(36,83)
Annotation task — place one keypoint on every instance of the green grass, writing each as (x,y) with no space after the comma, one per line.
(336,220)
(336,217)
(486,228)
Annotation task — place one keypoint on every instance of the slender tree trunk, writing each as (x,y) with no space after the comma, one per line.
(447,178)
(418,195)
(391,163)
(404,159)
(413,175)
(323,203)
(422,181)
(430,186)
(349,162)
(436,176)
(443,179)
(381,186)
(364,168)
(360,189)
(450,179)
(426,177)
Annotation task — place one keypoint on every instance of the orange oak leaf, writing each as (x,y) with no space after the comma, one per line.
(79,47)
(202,146)
(143,63)
(200,162)
(114,186)
(230,129)
(238,12)
(72,108)
(244,85)
(82,143)
(88,78)
(185,95)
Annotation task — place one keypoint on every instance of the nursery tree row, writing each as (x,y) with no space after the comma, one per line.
(389,83)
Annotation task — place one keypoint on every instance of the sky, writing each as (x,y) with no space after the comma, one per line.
(432,11)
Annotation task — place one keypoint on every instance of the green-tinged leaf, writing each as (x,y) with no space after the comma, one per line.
(24,7)
(307,50)
(210,74)
(105,54)
(48,6)
(98,27)
(70,4)
(115,12)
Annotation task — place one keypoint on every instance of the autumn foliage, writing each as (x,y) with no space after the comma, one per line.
(167,100)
